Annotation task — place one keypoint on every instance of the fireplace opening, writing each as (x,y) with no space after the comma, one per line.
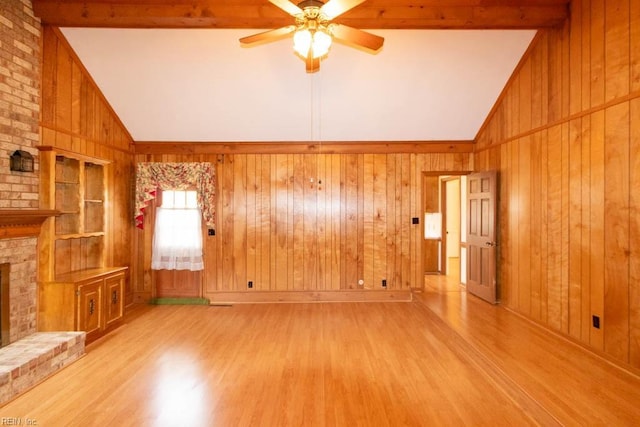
(5,271)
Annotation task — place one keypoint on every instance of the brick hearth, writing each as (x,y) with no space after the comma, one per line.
(27,362)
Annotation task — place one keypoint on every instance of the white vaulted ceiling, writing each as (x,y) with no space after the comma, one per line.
(201,85)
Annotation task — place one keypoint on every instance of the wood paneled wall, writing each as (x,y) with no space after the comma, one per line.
(311,222)
(76,117)
(565,137)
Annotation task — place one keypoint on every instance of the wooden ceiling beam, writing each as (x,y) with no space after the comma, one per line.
(299,147)
(373,14)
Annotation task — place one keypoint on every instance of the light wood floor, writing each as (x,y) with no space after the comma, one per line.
(444,359)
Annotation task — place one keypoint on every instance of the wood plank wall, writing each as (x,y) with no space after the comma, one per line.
(76,117)
(431,203)
(311,222)
(565,137)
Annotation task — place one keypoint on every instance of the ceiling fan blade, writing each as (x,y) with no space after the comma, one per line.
(313,64)
(287,6)
(268,36)
(334,8)
(356,37)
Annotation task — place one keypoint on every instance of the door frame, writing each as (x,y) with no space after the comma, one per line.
(422,202)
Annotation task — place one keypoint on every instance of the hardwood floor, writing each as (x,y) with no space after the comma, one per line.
(443,359)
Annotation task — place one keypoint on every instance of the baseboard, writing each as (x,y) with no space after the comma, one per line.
(179,301)
(309,296)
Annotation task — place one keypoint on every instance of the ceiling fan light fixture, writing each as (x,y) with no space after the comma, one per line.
(318,41)
(313,32)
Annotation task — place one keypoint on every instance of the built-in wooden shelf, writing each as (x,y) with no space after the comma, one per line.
(23,222)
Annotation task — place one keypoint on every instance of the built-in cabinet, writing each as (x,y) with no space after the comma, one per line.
(78,291)
(89,300)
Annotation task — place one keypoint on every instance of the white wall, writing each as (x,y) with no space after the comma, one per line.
(453,218)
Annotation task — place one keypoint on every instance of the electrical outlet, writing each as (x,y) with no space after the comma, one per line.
(384,283)
(250,284)
(595,321)
(415,220)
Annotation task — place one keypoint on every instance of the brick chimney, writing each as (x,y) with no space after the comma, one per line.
(20,69)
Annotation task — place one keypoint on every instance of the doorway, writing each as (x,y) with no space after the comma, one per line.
(177,279)
(451,222)
(444,209)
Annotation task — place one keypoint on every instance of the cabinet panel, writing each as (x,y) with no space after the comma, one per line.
(114,287)
(93,181)
(91,251)
(90,306)
(93,216)
(77,254)
(67,170)
(67,223)
(67,195)
(65,261)
(93,198)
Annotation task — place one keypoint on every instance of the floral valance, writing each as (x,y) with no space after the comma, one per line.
(176,176)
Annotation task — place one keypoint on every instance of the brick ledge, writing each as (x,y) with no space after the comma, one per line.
(30,360)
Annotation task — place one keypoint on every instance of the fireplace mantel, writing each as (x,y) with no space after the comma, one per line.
(23,222)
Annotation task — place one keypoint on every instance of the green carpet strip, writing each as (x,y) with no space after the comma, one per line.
(179,301)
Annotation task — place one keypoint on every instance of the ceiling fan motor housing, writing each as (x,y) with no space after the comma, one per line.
(311,12)
(310,4)
(312,18)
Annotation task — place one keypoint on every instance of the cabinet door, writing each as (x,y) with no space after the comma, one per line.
(90,317)
(114,303)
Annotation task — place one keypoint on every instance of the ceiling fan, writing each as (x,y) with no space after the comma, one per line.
(314,31)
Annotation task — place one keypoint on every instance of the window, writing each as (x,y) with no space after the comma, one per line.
(177,238)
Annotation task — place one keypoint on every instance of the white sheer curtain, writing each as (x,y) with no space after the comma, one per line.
(177,240)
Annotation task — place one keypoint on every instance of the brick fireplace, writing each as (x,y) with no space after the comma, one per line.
(18,261)
(19,229)
(26,356)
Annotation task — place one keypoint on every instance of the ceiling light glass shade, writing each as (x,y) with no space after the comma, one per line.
(319,42)
(302,42)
